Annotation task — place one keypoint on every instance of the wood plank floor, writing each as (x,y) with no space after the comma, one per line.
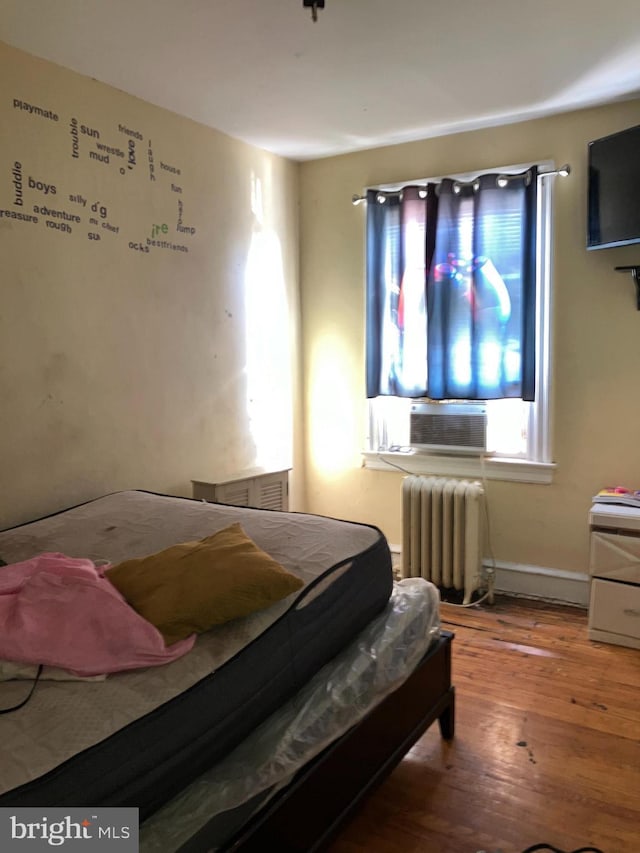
(546,748)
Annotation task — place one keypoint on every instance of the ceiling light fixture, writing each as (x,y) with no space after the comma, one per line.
(314,5)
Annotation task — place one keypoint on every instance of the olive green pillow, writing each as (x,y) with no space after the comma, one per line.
(190,587)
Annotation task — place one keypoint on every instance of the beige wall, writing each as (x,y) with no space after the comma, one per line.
(128,369)
(596,362)
(122,368)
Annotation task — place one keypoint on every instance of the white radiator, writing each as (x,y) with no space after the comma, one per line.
(442,534)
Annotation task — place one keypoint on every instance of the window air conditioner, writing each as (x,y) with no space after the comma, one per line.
(448,427)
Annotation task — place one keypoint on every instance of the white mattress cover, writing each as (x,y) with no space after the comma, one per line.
(65,718)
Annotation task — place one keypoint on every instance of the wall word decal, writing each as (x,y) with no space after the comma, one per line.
(114,150)
(16,174)
(34,111)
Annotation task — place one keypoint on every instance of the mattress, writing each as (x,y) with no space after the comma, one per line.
(207,813)
(139,737)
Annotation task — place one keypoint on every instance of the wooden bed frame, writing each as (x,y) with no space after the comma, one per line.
(308,813)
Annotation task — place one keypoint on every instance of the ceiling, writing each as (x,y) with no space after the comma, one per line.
(367,73)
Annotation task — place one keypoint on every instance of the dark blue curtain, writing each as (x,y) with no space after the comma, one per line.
(400,242)
(481,292)
(451,289)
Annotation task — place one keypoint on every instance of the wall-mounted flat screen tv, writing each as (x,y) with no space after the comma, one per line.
(614,190)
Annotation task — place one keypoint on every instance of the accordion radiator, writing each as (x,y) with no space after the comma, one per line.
(442,532)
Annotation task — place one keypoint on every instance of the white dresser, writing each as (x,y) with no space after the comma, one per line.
(614,566)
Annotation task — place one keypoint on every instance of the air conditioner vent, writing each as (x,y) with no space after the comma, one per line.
(449,427)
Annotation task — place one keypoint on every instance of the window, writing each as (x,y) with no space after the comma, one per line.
(517,428)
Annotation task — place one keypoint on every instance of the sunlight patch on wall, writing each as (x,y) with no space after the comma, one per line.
(269,379)
(331,422)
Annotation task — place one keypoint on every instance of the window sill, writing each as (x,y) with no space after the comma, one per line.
(411,462)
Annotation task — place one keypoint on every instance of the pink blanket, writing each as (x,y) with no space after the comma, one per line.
(61,611)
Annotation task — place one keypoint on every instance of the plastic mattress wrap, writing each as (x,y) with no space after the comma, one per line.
(334,700)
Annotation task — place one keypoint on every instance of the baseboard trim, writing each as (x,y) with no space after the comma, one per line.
(538,582)
(554,585)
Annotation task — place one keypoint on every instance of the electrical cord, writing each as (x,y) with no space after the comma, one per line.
(488,594)
(29,695)
(393,465)
(490,570)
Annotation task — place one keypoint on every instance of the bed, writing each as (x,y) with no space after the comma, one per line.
(152,737)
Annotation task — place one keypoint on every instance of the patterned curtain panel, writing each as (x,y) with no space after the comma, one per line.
(481,290)
(400,241)
(451,289)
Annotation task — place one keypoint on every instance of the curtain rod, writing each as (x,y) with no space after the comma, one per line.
(563,171)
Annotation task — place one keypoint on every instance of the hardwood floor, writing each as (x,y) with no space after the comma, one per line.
(547,745)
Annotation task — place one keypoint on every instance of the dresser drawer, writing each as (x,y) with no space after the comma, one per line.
(615,556)
(615,608)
